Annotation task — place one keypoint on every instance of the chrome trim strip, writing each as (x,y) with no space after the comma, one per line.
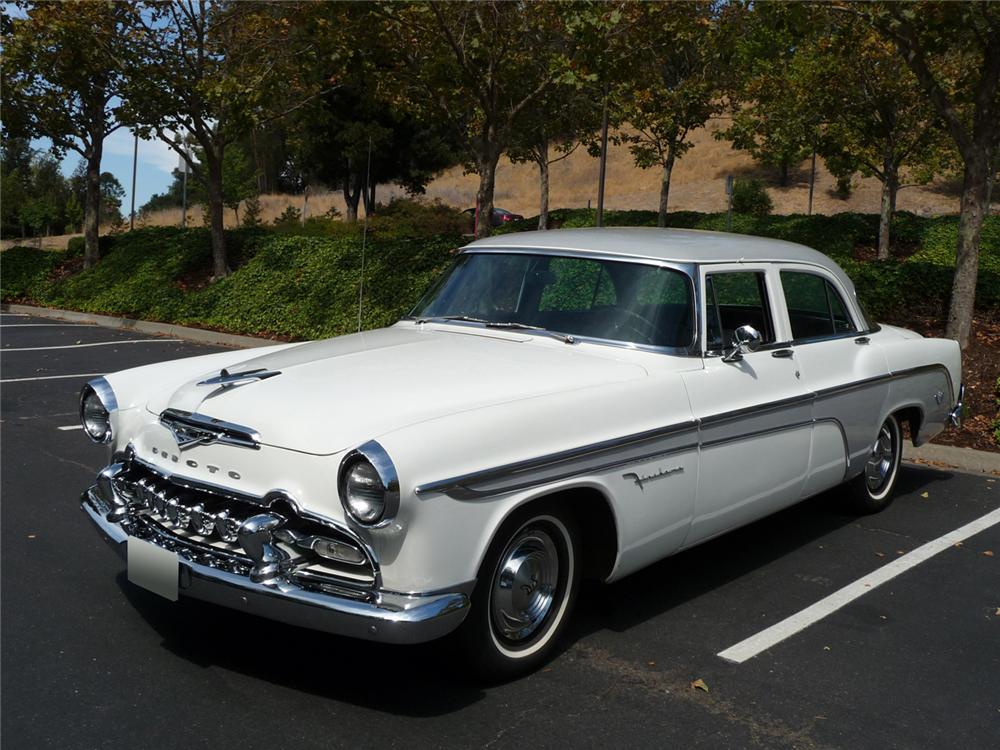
(757,433)
(552,459)
(457,487)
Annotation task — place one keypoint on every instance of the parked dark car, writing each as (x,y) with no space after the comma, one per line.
(500,216)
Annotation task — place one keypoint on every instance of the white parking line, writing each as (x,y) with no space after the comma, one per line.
(52,377)
(40,325)
(99,343)
(14,315)
(70,427)
(755,644)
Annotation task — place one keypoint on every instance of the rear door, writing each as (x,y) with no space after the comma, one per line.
(755,413)
(840,364)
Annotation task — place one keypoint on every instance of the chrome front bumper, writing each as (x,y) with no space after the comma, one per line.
(382,616)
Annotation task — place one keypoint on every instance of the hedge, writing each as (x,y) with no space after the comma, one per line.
(305,285)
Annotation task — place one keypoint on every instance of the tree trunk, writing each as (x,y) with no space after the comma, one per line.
(783,173)
(812,181)
(484,196)
(889,188)
(970,224)
(668,167)
(542,159)
(352,196)
(92,205)
(220,268)
(604,161)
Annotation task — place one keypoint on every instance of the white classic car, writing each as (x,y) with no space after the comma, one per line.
(560,404)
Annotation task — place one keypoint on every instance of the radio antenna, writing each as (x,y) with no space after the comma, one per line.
(364,232)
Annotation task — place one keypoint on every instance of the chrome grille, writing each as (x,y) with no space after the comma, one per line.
(204,526)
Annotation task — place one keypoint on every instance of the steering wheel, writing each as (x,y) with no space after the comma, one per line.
(644,328)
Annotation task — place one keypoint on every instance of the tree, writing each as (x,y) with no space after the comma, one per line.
(112,193)
(16,156)
(61,84)
(671,89)
(953,49)
(470,64)
(210,73)
(774,116)
(47,195)
(875,118)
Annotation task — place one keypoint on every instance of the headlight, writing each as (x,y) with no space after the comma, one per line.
(369,487)
(97,401)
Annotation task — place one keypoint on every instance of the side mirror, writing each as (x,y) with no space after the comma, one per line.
(745,339)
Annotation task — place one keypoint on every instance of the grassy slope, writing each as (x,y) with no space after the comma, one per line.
(297,286)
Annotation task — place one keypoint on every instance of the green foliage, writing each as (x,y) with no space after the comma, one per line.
(23,271)
(289,218)
(76,246)
(750,197)
(251,212)
(304,284)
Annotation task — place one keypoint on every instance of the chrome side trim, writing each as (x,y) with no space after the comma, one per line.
(458,486)
(191,429)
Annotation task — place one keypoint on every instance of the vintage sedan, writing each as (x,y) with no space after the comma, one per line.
(559,404)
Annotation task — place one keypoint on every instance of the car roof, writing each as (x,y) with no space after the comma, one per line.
(675,245)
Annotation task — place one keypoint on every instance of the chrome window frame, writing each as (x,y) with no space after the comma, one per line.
(763,268)
(859,330)
(688,270)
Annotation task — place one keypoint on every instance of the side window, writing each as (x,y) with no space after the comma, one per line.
(733,300)
(815,308)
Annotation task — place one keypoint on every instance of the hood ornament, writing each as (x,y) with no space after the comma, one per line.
(190,430)
(228,379)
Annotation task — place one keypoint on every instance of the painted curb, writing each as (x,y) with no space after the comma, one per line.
(197,335)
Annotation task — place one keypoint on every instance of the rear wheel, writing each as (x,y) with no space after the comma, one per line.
(523,596)
(872,490)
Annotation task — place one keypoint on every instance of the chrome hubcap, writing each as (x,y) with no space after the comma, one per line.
(880,462)
(524,586)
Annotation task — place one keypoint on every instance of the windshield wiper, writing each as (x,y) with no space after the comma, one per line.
(566,339)
(509,325)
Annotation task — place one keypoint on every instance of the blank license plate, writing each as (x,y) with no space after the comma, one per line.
(153,568)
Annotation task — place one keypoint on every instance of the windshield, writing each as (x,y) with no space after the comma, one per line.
(627,302)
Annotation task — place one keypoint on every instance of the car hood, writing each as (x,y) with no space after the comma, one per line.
(335,394)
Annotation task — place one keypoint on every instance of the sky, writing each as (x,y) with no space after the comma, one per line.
(155,164)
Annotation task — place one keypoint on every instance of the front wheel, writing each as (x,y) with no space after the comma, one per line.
(523,596)
(872,490)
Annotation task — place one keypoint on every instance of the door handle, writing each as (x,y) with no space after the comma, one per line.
(862,340)
(782,353)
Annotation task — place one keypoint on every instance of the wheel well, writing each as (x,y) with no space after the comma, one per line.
(912,417)
(599,532)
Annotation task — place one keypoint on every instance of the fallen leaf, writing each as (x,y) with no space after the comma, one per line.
(652,663)
(882,617)
(988,553)
(997,613)
(826,648)
(959,544)
(880,554)
(900,552)
(31,536)
(925,494)
(699,684)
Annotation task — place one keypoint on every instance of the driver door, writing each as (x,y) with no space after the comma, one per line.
(755,412)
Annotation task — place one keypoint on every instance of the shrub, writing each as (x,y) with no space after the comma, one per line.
(406,217)
(289,219)
(76,246)
(23,271)
(750,197)
(251,212)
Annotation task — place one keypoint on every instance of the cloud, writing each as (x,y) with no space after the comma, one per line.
(154,153)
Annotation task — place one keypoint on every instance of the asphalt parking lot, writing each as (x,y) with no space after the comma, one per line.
(89,661)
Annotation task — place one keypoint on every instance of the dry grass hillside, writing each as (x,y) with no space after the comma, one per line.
(698,184)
